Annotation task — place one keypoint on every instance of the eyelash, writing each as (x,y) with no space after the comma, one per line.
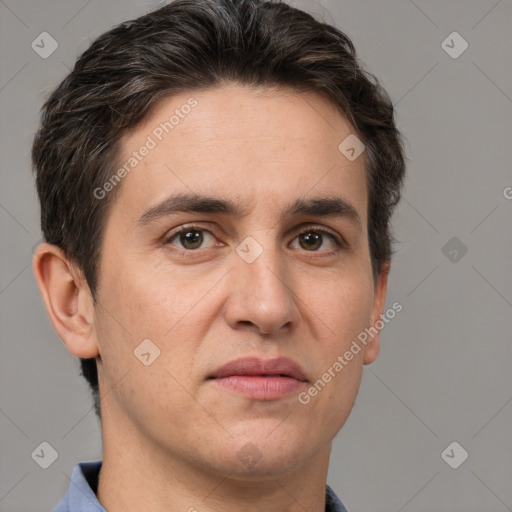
(340,243)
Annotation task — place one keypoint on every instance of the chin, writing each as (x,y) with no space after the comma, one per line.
(260,456)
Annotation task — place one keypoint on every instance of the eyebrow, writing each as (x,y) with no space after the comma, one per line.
(195,203)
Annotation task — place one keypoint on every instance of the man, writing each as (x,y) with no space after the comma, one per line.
(216,182)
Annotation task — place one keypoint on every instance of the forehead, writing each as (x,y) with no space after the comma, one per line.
(257,146)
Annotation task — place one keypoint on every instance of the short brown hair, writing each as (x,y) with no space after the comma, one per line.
(191,45)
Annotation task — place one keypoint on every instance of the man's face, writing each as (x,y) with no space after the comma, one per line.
(265,282)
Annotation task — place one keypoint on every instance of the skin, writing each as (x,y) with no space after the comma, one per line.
(170,436)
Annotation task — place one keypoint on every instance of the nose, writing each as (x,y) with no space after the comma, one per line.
(261,295)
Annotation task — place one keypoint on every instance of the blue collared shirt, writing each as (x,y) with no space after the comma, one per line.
(81,495)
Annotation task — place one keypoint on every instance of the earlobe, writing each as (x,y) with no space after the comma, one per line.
(67,299)
(372,349)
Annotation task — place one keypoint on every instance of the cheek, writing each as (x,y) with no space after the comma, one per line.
(137,307)
(339,310)
(353,312)
(148,302)
(138,302)
(343,304)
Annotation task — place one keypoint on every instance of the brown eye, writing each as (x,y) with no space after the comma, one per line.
(310,241)
(190,239)
(314,240)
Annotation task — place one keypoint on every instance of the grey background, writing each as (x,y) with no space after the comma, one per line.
(443,374)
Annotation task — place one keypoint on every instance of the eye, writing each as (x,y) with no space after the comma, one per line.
(190,238)
(313,239)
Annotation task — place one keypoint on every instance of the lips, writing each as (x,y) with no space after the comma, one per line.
(260,379)
(253,366)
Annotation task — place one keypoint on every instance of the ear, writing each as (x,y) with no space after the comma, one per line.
(379,301)
(67,298)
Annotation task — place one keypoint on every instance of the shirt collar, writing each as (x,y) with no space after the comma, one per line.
(332,502)
(83,485)
(81,495)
